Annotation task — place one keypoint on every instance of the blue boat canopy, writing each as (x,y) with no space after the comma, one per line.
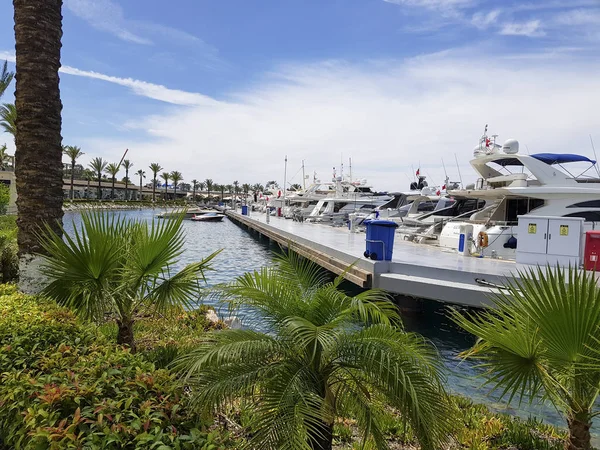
(560,158)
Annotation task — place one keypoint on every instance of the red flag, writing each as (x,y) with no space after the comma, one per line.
(438,192)
(487,142)
(418,171)
(443,187)
(278,194)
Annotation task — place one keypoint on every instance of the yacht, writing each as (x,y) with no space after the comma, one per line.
(513,184)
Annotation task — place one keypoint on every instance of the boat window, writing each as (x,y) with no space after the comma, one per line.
(426,207)
(590,216)
(339,206)
(519,206)
(588,204)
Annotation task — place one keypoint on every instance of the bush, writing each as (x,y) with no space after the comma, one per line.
(9,261)
(63,385)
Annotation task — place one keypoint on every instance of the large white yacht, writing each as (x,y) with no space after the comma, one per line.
(513,184)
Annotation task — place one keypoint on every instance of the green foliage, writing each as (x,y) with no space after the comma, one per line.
(120,267)
(64,386)
(542,339)
(325,355)
(9,260)
(4,198)
(8,118)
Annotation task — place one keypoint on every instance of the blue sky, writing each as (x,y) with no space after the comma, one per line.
(223,89)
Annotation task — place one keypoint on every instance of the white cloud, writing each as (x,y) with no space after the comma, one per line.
(8,56)
(483,20)
(434,4)
(579,17)
(387,116)
(532,28)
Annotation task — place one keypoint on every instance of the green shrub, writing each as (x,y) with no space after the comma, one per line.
(9,261)
(63,385)
(4,197)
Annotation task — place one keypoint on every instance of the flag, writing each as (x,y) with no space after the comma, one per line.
(418,171)
(443,187)
(278,194)
(438,192)
(487,142)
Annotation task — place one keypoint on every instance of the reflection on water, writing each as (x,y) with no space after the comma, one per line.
(243,252)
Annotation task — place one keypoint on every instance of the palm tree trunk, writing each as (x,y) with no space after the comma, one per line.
(154,189)
(38,156)
(175,193)
(166,198)
(72,179)
(99,186)
(126,184)
(140,199)
(579,431)
(112,190)
(194,193)
(125,333)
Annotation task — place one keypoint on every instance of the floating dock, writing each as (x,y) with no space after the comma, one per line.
(416,270)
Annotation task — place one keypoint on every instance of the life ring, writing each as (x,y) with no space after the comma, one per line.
(482,239)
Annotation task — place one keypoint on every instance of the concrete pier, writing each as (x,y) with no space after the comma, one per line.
(416,270)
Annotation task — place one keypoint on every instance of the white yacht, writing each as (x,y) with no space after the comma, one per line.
(512,184)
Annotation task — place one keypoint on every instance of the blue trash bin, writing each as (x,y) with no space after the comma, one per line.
(244,210)
(380,239)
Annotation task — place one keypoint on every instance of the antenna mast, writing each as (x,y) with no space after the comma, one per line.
(126,150)
(350,162)
(595,157)
(303,177)
(458,167)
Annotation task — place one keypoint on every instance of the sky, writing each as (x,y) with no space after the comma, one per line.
(225,89)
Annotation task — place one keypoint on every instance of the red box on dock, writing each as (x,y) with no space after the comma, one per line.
(592,250)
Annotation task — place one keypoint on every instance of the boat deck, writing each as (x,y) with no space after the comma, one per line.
(417,270)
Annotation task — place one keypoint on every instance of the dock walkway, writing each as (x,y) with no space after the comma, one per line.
(416,270)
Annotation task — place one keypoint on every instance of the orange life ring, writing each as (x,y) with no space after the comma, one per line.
(482,239)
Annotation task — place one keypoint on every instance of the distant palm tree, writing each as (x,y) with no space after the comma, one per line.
(296,187)
(320,355)
(88,175)
(154,168)
(236,188)
(209,185)
(166,176)
(127,165)
(112,169)
(245,190)
(73,153)
(176,177)
(223,188)
(8,118)
(142,175)
(194,186)
(4,157)
(98,165)
(217,188)
(5,78)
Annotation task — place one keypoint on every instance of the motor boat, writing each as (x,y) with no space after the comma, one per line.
(512,184)
(189,213)
(209,217)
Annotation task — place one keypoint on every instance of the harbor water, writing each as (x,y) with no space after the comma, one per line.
(243,252)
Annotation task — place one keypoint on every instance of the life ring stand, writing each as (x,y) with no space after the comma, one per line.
(482,239)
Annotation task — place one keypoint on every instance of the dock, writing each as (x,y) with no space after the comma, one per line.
(416,270)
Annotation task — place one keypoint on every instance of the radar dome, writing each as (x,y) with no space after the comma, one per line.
(511,147)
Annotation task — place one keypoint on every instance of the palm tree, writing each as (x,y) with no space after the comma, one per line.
(542,339)
(5,78)
(112,169)
(142,175)
(154,168)
(323,355)
(119,267)
(127,165)
(73,153)
(209,186)
(4,157)
(245,190)
(201,186)
(8,118)
(194,186)
(296,187)
(88,175)
(38,156)
(98,165)
(222,188)
(166,176)
(177,178)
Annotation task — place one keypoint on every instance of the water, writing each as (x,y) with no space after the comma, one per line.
(242,252)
